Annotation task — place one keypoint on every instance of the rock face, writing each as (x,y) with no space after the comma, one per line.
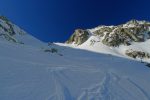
(9,30)
(79,37)
(125,34)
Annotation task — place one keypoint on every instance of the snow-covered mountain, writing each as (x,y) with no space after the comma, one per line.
(33,70)
(12,33)
(130,40)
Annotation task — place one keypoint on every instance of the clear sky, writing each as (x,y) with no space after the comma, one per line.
(56,20)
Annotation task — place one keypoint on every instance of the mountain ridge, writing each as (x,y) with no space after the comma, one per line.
(130,28)
(128,40)
(123,40)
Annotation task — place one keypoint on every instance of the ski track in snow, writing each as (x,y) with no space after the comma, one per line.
(98,92)
(140,89)
(104,90)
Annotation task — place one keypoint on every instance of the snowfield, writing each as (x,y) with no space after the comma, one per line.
(29,73)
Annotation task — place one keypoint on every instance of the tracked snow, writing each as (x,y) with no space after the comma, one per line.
(27,73)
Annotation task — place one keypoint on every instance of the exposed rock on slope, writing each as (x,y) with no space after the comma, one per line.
(12,33)
(137,54)
(79,37)
(9,30)
(116,40)
(132,31)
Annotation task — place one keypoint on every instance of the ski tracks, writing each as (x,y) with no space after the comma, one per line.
(110,88)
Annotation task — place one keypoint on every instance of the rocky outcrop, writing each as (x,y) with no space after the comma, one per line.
(137,54)
(9,27)
(125,34)
(148,65)
(79,37)
(52,50)
(105,29)
(9,30)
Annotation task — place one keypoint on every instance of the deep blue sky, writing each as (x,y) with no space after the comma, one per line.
(56,20)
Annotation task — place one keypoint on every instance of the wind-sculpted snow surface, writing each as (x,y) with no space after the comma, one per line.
(28,73)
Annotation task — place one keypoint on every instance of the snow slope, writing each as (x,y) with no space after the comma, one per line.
(117,51)
(29,73)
